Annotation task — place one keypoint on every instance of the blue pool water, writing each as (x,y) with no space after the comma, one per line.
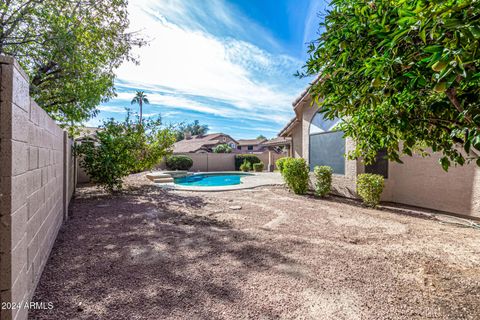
(209,180)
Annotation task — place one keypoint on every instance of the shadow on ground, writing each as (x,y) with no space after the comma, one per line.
(148,253)
(142,252)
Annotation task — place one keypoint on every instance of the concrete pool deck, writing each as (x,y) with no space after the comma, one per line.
(250,181)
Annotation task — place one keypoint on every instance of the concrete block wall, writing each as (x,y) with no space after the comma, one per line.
(32,180)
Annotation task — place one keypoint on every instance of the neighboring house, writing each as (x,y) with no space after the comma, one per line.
(418,181)
(203,143)
(250,146)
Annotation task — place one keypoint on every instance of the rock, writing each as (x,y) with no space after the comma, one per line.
(235,207)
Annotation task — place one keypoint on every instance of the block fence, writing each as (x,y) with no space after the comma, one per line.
(36,184)
(210,162)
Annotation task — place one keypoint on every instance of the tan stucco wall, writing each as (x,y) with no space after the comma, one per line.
(32,183)
(420,181)
(297,142)
(208,162)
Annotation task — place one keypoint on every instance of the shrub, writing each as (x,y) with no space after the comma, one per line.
(280,162)
(121,148)
(179,162)
(258,167)
(323,177)
(245,166)
(295,173)
(369,188)
(240,158)
(222,148)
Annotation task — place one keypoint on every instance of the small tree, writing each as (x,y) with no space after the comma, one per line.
(323,177)
(179,162)
(280,163)
(121,148)
(245,166)
(295,174)
(258,167)
(261,137)
(370,188)
(222,148)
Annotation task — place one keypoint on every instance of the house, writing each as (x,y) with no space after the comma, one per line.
(203,143)
(250,146)
(419,181)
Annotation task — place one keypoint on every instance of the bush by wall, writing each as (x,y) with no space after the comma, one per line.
(121,148)
(240,158)
(179,162)
(280,163)
(323,180)
(295,174)
(245,166)
(370,187)
(258,167)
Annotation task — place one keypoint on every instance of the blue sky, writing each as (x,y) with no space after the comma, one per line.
(228,64)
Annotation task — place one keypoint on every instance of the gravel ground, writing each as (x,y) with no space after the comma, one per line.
(155,254)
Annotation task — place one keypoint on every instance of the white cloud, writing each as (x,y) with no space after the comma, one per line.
(111,109)
(183,103)
(186,59)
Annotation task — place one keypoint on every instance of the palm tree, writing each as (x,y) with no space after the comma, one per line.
(140,98)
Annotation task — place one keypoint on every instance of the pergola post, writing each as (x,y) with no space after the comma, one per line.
(270,160)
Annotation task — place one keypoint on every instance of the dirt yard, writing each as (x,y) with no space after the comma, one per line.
(154,254)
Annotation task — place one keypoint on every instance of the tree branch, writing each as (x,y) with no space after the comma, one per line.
(452,96)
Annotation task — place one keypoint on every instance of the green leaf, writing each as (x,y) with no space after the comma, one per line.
(423,36)
(433,49)
(475,30)
(445,163)
(476,142)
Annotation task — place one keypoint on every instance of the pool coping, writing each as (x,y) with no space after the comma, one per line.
(250,180)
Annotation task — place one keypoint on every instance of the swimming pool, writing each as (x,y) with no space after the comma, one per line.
(210,180)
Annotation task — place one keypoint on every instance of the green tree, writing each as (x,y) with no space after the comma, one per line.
(261,137)
(70,50)
(403,75)
(194,128)
(121,148)
(140,98)
(222,148)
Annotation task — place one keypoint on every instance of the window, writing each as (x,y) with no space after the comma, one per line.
(380,166)
(239,147)
(250,148)
(327,146)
